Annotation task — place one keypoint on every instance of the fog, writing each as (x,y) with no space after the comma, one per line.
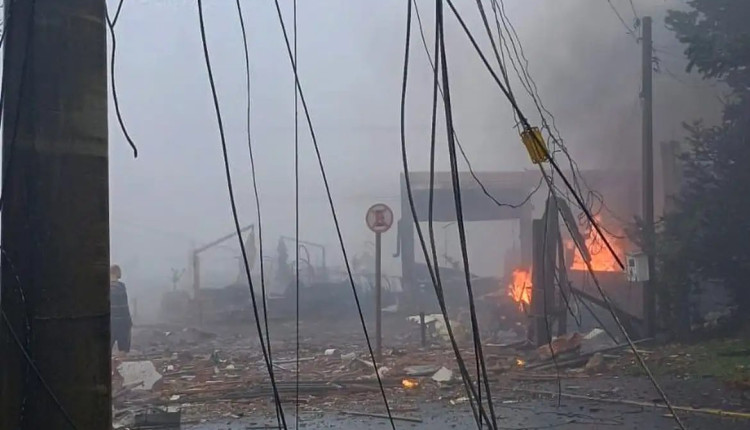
(174,195)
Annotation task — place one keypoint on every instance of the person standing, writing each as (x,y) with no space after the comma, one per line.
(120,319)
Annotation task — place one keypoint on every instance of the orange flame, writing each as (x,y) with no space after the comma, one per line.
(519,288)
(601,259)
(409,383)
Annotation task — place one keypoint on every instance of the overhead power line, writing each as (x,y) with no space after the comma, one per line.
(333,208)
(296,220)
(480,414)
(479,350)
(473,174)
(246,52)
(578,200)
(235,215)
(111,25)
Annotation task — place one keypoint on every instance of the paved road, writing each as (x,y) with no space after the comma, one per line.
(533,414)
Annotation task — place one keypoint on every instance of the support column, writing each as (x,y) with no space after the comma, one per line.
(55,218)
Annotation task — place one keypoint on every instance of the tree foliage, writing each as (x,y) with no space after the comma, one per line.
(707,236)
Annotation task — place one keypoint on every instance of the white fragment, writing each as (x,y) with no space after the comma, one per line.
(443,375)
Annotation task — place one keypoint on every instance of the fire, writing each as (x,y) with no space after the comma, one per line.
(409,383)
(520,363)
(519,288)
(601,259)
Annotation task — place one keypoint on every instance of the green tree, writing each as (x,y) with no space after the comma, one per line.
(707,236)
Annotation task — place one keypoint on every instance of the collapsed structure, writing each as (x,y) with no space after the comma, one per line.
(542,294)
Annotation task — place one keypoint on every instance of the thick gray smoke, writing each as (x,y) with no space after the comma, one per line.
(350,61)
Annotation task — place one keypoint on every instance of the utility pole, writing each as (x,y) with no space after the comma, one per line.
(649,294)
(55,218)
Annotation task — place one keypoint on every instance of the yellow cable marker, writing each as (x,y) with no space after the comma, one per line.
(534,141)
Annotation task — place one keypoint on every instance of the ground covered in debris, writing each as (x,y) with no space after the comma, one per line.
(216,378)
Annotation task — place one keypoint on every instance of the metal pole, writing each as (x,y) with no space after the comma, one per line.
(649,295)
(55,218)
(378,299)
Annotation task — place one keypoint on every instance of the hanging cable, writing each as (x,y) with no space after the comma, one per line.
(527,126)
(233,204)
(255,192)
(477,408)
(520,64)
(639,357)
(473,174)
(580,203)
(459,215)
(333,209)
(629,30)
(111,26)
(296,222)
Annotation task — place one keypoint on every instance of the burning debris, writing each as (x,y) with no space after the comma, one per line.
(601,259)
(520,287)
(409,383)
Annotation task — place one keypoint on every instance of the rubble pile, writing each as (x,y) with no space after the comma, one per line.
(204,376)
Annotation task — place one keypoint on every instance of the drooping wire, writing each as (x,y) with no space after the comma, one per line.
(635,13)
(628,29)
(639,357)
(473,174)
(527,126)
(477,409)
(520,63)
(255,192)
(113,83)
(581,205)
(296,221)
(235,215)
(334,215)
(117,12)
(459,216)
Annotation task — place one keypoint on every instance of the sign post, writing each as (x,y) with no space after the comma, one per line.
(379,219)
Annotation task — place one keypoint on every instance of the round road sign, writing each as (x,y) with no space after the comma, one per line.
(379,218)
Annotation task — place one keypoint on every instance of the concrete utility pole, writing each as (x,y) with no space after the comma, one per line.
(55,218)
(649,295)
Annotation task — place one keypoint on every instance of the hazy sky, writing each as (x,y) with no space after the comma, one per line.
(350,63)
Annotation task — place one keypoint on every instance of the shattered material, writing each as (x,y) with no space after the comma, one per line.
(139,375)
(443,375)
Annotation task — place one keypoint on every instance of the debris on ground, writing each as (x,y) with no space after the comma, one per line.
(138,375)
(443,375)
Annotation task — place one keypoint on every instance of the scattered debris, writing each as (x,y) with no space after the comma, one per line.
(138,375)
(443,375)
